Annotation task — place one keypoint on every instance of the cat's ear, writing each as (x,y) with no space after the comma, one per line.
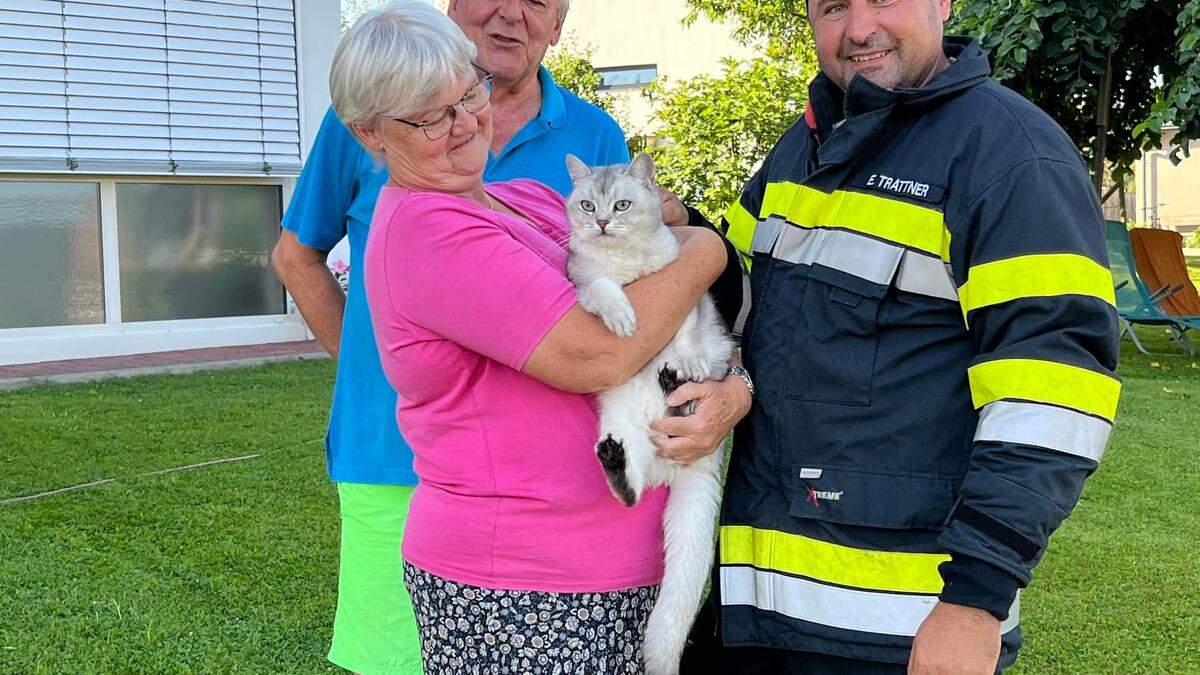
(577,168)
(642,167)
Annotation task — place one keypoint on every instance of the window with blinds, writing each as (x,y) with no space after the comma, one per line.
(162,86)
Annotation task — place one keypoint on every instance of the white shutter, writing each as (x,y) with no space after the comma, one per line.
(178,86)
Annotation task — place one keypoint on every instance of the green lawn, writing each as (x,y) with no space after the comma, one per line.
(232,567)
(1194,269)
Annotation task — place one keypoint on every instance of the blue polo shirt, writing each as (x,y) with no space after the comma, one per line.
(335,197)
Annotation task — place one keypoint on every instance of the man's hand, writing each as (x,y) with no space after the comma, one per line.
(956,640)
(719,406)
(675,214)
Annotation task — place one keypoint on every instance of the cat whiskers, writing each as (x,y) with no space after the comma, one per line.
(566,241)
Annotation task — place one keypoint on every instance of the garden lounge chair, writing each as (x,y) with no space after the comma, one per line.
(1158,257)
(1137,304)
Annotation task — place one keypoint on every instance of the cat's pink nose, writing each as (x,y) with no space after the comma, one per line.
(602,224)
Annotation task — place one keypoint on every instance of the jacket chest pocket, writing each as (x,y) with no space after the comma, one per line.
(867,498)
(836,337)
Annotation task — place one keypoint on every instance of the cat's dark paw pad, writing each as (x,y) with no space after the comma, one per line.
(670,379)
(611,453)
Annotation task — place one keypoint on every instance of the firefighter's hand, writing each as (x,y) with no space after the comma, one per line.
(719,406)
(675,214)
(956,640)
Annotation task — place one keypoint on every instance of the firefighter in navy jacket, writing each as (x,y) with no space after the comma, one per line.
(933,339)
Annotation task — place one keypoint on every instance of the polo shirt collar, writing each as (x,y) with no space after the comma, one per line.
(554,112)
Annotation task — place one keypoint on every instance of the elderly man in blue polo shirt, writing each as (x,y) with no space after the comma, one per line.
(536,124)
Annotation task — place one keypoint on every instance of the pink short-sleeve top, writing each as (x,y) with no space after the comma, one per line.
(511,495)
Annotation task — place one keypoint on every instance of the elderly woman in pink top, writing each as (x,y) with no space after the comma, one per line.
(517,557)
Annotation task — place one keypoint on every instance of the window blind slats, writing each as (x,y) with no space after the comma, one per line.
(33,144)
(122,12)
(32,113)
(108,33)
(31,18)
(8,58)
(34,32)
(34,73)
(21,98)
(42,6)
(143,4)
(149,85)
(33,86)
(102,103)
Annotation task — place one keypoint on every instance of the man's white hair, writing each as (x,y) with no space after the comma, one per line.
(563,6)
(396,61)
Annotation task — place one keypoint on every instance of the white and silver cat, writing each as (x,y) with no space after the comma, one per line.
(617,237)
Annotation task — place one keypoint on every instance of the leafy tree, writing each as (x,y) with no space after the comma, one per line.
(1111,72)
(571,66)
(718,128)
(782,25)
(1057,53)
(1180,102)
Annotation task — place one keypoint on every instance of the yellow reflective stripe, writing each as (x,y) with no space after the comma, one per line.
(908,225)
(778,199)
(831,563)
(1045,382)
(741,227)
(1035,276)
(834,606)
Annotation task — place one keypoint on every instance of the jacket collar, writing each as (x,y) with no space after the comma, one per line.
(849,119)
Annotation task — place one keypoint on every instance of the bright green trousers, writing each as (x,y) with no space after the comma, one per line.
(374,632)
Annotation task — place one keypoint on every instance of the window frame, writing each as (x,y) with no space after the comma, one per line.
(114,336)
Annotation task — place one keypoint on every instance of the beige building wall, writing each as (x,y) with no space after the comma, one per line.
(1165,193)
(649,32)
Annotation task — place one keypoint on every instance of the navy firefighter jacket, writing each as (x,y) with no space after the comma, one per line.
(933,337)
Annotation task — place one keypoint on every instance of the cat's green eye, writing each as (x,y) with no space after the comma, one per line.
(587,206)
(623,205)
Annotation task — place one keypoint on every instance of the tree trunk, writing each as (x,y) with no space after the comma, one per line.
(1103,101)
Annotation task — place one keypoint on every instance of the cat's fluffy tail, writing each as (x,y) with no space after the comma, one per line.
(688,526)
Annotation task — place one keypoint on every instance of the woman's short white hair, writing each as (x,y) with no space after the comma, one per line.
(397,61)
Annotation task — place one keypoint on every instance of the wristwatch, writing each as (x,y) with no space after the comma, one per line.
(735,369)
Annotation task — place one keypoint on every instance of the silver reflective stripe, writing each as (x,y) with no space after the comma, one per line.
(866,258)
(834,606)
(925,275)
(1044,426)
(854,254)
(739,324)
(765,234)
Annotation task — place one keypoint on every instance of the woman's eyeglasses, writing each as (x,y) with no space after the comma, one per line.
(473,101)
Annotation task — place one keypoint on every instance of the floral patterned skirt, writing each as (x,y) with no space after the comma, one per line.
(467,630)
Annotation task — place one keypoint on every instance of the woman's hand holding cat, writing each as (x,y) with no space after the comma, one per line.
(720,405)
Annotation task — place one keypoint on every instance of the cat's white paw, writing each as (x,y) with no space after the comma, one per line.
(621,320)
(605,298)
(692,369)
